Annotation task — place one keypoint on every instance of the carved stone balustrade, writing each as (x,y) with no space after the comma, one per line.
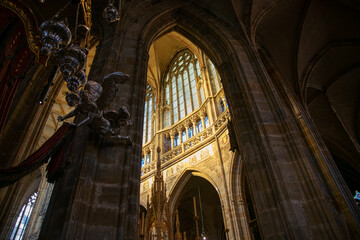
(204,137)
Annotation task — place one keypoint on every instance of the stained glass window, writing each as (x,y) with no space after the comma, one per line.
(143,162)
(207,123)
(214,77)
(23,218)
(190,132)
(148,112)
(180,91)
(222,105)
(176,140)
(199,127)
(357,198)
(183,136)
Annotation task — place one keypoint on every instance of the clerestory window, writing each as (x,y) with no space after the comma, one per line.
(148,114)
(214,77)
(180,89)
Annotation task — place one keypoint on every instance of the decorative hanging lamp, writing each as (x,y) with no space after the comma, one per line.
(74,82)
(69,54)
(54,33)
(111,13)
(71,59)
(72,98)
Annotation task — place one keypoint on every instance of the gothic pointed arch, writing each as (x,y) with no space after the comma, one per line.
(194,188)
(181,181)
(242,78)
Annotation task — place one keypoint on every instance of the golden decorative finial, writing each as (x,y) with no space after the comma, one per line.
(158,164)
(178,233)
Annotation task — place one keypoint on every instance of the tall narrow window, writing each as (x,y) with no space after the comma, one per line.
(167,113)
(180,91)
(214,77)
(148,112)
(143,162)
(199,127)
(23,218)
(207,123)
(183,136)
(148,159)
(176,140)
(222,105)
(191,132)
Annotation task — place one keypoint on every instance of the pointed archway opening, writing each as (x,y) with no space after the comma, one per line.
(185,106)
(208,210)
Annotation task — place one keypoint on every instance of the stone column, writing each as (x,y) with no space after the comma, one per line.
(290,175)
(206,81)
(205,75)
(193,120)
(202,117)
(172,135)
(98,195)
(187,131)
(151,154)
(181,140)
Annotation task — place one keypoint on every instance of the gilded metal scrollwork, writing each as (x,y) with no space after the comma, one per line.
(86,6)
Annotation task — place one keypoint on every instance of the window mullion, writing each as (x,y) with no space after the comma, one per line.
(28,206)
(18,225)
(148,119)
(145,121)
(190,90)
(177,95)
(183,89)
(171,100)
(197,82)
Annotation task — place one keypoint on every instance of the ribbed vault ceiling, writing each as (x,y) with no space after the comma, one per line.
(315,45)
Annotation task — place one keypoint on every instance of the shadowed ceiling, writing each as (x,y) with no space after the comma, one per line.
(315,46)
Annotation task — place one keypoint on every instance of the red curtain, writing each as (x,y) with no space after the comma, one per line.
(15,59)
(57,147)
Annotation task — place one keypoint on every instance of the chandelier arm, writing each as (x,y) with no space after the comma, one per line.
(76,21)
(61,10)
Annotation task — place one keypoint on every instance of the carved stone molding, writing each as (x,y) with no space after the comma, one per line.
(30,24)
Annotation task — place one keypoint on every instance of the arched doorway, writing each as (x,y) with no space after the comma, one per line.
(208,210)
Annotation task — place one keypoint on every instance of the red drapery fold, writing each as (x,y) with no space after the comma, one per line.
(57,147)
(15,59)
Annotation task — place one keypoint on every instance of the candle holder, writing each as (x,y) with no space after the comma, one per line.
(74,82)
(54,34)
(72,98)
(71,59)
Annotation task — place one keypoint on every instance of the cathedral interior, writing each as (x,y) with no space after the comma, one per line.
(182,119)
